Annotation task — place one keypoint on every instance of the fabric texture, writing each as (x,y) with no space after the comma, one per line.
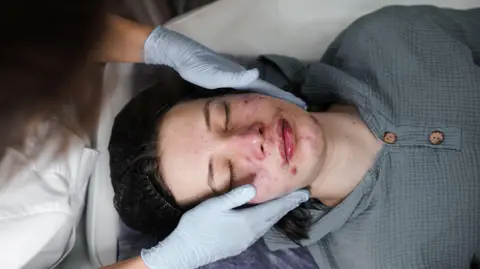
(411,71)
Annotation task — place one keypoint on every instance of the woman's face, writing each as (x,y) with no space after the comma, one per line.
(209,146)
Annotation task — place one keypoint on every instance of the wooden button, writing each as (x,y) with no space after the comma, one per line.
(389,138)
(436,138)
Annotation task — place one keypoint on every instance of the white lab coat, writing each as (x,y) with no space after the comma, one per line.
(41,200)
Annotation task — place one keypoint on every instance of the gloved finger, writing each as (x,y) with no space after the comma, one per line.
(263,87)
(230,64)
(270,212)
(237,79)
(234,198)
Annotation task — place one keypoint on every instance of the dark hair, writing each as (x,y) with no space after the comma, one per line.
(142,200)
(44,50)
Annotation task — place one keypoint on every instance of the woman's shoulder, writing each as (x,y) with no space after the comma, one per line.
(413,65)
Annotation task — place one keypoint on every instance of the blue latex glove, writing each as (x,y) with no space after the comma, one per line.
(204,67)
(263,87)
(195,62)
(213,231)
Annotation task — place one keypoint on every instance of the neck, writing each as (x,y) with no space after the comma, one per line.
(351,149)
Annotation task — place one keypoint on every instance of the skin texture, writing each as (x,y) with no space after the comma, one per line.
(248,148)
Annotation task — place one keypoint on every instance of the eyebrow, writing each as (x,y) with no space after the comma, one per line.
(206,114)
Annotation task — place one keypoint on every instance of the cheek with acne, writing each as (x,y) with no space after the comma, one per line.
(263,184)
(252,98)
(293,170)
(269,188)
(253,103)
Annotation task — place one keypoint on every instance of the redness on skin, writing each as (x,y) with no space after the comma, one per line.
(293,171)
(253,98)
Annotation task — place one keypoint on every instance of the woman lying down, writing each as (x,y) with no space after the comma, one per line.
(391,156)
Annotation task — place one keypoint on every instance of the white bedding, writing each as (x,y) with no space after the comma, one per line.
(298,28)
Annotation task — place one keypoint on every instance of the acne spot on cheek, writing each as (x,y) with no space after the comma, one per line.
(254,99)
(293,170)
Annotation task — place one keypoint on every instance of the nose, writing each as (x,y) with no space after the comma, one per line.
(250,141)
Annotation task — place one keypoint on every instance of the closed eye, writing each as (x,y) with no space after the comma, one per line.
(226,106)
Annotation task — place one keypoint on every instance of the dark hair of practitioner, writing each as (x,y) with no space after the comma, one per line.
(45,73)
(142,199)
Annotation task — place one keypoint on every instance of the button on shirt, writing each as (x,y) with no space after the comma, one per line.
(413,73)
(436,138)
(390,138)
(41,200)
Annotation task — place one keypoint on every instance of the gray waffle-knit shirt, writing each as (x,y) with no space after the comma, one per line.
(410,71)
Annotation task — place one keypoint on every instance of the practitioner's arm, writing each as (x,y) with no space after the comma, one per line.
(128,41)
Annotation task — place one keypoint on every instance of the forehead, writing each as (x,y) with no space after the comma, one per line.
(184,153)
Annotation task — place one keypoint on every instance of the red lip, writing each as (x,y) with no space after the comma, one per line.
(286,143)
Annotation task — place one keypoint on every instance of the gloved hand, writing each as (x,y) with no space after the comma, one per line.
(195,62)
(213,231)
(204,67)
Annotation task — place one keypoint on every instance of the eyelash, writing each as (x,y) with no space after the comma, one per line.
(232,174)
(226,106)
